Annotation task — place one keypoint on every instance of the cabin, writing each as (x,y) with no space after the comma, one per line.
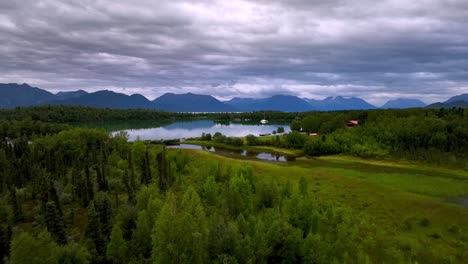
(352,123)
(266,134)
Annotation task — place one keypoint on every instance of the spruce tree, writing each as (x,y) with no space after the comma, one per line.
(165,179)
(93,230)
(5,234)
(146,170)
(132,171)
(101,177)
(89,185)
(129,189)
(54,222)
(141,237)
(16,205)
(117,247)
(103,208)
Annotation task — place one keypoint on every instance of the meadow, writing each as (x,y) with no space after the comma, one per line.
(407,208)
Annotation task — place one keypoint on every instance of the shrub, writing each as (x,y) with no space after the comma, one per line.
(424,222)
(251,140)
(295,140)
(206,136)
(316,147)
(218,137)
(235,141)
(295,126)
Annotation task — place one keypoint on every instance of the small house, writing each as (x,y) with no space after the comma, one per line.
(352,123)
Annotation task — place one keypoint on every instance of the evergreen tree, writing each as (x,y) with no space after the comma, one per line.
(128,187)
(55,198)
(101,178)
(165,177)
(5,233)
(16,205)
(54,222)
(146,177)
(141,238)
(117,246)
(93,230)
(89,185)
(103,208)
(132,172)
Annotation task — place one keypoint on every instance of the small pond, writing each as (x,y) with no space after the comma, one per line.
(241,154)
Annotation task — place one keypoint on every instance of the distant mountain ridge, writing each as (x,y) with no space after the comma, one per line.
(107,99)
(401,103)
(339,103)
(14,95)
(455,101)
(457,98)
(68,95)
(190,102)
(285,103)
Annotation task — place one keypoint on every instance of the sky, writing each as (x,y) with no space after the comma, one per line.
(376,50)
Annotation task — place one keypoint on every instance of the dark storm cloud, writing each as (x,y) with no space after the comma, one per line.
(373,49)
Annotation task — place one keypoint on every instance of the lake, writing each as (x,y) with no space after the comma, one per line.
(190,129)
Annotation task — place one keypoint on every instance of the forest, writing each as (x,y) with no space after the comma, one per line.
(80,195)
(432,136)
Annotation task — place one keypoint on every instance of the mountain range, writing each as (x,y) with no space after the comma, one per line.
(14,95)
(339,103)
(285,103)
(190,103)
(403,103)
(455,101)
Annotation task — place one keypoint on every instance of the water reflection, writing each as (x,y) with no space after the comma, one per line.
(196,128)
(238,153)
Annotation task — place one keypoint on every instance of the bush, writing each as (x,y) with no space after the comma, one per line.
(251,140)
(218,137)
(316,147)
(206,136)
(295,140)
(235,141)
(295,126)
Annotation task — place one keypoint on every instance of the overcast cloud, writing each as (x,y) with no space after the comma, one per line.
(377,50)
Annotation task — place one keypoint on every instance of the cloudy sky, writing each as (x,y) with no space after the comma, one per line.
(377,50)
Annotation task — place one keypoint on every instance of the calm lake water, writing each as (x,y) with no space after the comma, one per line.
(238,154)
(192,129)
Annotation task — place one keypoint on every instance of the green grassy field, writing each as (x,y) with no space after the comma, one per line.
(404,207)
